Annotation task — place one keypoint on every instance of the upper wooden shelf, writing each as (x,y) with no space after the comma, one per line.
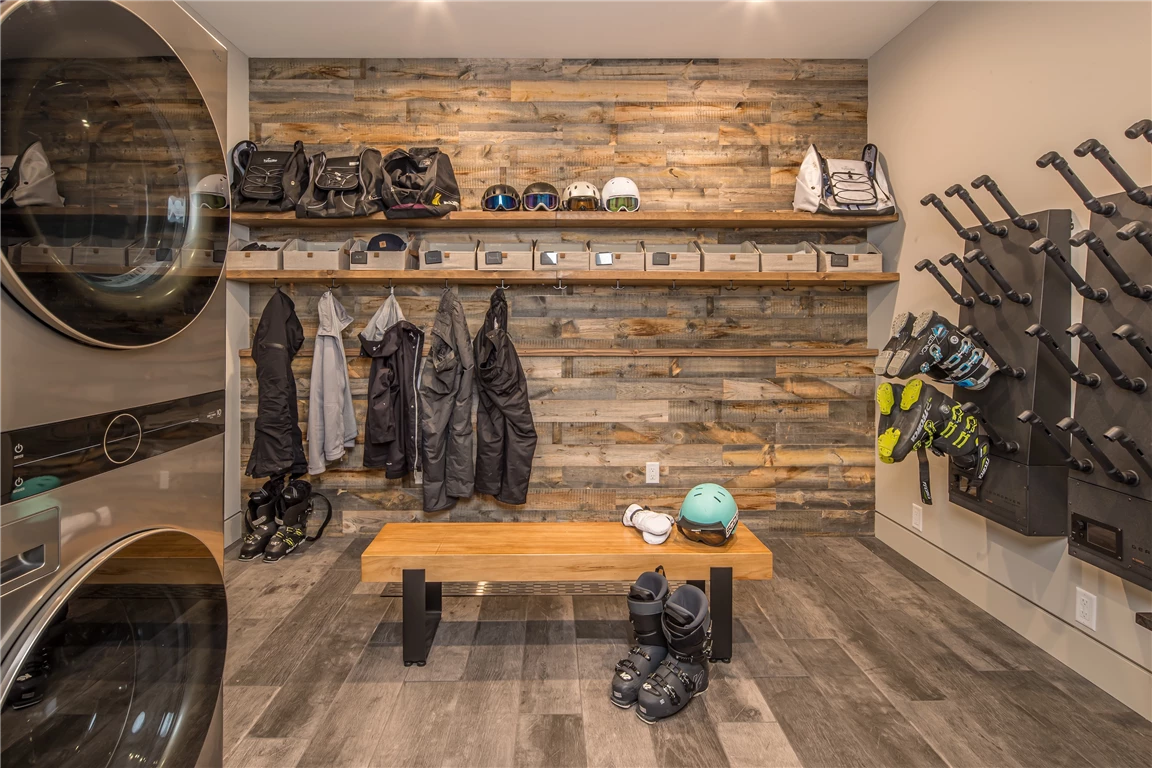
(550,277)
(580,220)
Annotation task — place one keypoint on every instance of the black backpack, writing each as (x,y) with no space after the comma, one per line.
(340,187)
(267,180)
(419,183)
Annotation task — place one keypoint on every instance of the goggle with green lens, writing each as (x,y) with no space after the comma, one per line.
(626,204)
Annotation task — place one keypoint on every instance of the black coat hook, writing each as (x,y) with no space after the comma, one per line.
(1041,334)
(1073,463)
(985,181)
(1008,446)
(951,258)
(1089,340)
(1128,333)
(1120,435)
(938,204)
(1101,153)
(982,259)
(1011,371)
(1044,245)
(1138,230)
(1096,245)
(1140,128)
(992,229)
(1125,476)
(926,264)
(1090,202)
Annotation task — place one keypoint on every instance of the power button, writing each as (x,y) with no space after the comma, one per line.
(122,438)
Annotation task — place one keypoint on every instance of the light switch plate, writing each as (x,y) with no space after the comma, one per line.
(918,517)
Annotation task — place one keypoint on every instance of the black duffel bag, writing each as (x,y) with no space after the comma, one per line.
(340,187)
(419,183)
(267,180)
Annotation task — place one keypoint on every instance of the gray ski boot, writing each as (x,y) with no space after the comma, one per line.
(260,518)
(296,504)
(646,601)
(684,672)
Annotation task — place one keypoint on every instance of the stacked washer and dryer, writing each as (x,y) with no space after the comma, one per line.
(112,367)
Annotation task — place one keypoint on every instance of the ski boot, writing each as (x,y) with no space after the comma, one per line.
(296,504)
(32,681)
(901,331)
(937,348)
(887,396)
(646,600)
(263,509)
(684,672)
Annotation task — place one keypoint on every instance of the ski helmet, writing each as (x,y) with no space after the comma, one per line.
(500,197)
(211,192)
(621,194)
(708,515)
(541,196)
(581,196)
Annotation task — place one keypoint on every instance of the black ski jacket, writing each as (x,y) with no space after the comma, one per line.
(505,434)
(392,425)
(278,446)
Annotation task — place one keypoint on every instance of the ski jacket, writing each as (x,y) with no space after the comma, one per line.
(278,446)
(392,424)
(505,434)
(446,408)
(331,421)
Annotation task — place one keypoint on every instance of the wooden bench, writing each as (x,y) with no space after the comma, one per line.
(424,555)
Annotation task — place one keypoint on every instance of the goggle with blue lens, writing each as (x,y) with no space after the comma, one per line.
(541,202)
(500,203)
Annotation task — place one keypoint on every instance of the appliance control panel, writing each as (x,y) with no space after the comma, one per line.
(35,460)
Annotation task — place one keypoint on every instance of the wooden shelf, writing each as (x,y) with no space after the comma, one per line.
(548,277)
(666,352)
(579,220)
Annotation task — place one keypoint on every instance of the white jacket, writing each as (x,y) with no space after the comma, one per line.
(331,420)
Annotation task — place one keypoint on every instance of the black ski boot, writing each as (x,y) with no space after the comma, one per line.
(684,672)
(296,504)
(901,331)
(263,509)
(646,601)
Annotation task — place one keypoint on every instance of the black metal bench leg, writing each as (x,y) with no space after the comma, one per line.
(422,607)
(700,584)
(721,607)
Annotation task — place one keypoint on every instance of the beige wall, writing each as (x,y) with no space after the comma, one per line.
(978,87)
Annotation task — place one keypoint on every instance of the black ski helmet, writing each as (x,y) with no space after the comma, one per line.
(500,197)
(541,196)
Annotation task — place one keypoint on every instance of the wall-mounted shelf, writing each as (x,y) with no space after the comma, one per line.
(575,277)
(669,352)
(580,220)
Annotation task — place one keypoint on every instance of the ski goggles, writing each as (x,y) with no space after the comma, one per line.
(583,204)
(626,204)
(208,200)
(541,202)
(500,203)
(712,534)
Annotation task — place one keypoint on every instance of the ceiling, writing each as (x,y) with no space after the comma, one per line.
(623,29)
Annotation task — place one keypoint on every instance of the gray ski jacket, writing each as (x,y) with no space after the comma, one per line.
(446,408)
(331,420)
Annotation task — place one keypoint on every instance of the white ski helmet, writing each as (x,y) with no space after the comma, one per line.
(211,192)
(580,196)
(621,194)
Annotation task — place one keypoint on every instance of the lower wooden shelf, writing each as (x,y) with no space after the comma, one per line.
(575,277)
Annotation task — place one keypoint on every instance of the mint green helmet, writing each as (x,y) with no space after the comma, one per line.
(708,515)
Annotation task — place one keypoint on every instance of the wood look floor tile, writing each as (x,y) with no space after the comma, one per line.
(757,745)
(613,737)
(550,741)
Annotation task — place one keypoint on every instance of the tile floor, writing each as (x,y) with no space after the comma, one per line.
(851,656)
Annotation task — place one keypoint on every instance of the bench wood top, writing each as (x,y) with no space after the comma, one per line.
(568,551)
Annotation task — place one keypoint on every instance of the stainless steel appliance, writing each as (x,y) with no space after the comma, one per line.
(112,608)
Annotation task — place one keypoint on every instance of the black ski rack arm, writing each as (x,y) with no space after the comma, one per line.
(1125,476)
(1101,153)
(1096,245)
(926,264)
(1030,225)
(1128,333)
(1073,463)
(1140,128)
(1046,246)
(958,190)
(1008,446)
(956,261)
(1038,331)
(974,333)
(1088,339)
(1090,202)
(938,204)
(982,259)
(1138,230)
(1120,435)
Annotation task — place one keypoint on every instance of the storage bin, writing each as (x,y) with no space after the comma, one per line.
(203,255)
(556,256)
(143,253)
(861,257)
(500,256)
(742,257)
(47,252)
(447,255)
(99,252)
(239,258)
(617,256)
(787,257)
(309,254)
(672,258)
(362,256)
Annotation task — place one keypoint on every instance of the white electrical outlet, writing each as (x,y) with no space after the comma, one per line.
(1086,608)
(652,472)
(918,517)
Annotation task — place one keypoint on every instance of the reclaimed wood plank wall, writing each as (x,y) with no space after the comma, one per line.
(790,436)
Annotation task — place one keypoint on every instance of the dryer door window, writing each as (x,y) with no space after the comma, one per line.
(114,217)
(129,670)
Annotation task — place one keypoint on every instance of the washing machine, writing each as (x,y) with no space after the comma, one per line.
(113,616)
